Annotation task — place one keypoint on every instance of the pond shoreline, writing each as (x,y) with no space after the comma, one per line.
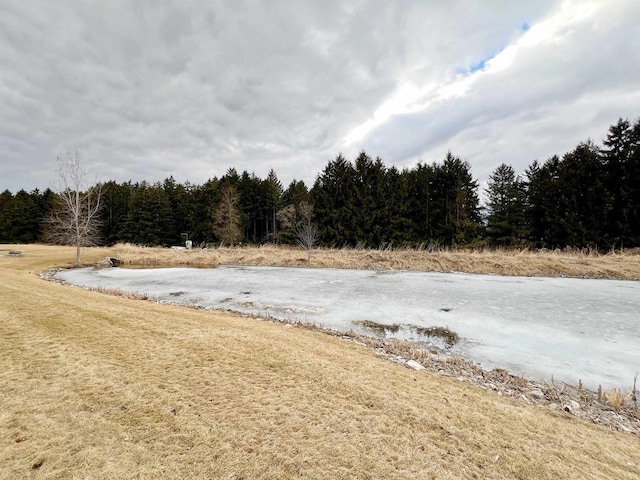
(575,329)
(561,397)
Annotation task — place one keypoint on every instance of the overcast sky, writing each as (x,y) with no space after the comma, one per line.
(149,89)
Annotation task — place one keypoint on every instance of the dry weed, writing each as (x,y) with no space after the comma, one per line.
(568,263)
(615,399)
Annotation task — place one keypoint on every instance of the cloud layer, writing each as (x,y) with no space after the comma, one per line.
(145,90)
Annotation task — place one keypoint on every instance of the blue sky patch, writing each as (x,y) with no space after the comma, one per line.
(479,66)
(474,67)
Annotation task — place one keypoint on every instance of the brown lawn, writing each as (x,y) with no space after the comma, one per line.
(97,386)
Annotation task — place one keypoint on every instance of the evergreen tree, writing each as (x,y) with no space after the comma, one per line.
(633,187)
(456,213)
(582,200)
(295,193)
(394,217)
(332,195)
(367,202)
(149,218)
(230,178)
(251,201)
(45,202)
(205,200)
(541,205)
(620,157)
(115,199)
(535,214)
(181,205)
(273,202)
(589,197)
(21,218)
(6,199)
(567,201)
(506,207)
(422,208)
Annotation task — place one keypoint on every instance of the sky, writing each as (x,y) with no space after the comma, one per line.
(144,90)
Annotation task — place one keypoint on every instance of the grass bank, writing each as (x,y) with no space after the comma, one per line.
(107,387)
(622,266)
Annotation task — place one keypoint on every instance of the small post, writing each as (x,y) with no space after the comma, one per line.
(187,243)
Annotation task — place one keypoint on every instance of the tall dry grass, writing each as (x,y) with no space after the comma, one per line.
(624,266)
(96,386)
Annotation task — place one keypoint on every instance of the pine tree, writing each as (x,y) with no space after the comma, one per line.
(205,201)
(149,218)
(21,218)
(506,207)
(273,202)
(633,176)
(180,199)
(367,202)
(6,199)
(295,193)
(620,156)
(115,200)
(332,196)
(582,199)
(456,216)
(397,226)
(252,198)
(422,209)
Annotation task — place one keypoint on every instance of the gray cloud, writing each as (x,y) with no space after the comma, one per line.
(552,96)
(190,88)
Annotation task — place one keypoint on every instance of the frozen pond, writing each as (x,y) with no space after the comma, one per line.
(537,327)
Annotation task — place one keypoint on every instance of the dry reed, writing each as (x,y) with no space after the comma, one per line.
(570,263)
(615,399)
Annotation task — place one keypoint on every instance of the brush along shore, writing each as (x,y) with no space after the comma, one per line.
(110,387)
(565,263)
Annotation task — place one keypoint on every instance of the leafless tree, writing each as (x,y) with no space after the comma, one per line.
(75,219)
(296,221)
(226,217)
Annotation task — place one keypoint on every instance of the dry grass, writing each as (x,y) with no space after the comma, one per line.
(97,386)
(503,262)
(615,399)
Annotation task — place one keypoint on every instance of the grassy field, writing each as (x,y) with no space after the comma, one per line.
(96,386)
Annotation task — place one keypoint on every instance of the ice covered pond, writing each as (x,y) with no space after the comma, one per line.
(537,327)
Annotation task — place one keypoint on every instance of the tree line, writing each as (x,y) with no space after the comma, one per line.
(589,197)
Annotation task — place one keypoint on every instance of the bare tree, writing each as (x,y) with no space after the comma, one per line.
(296,221)
(75,220)
(226,217)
